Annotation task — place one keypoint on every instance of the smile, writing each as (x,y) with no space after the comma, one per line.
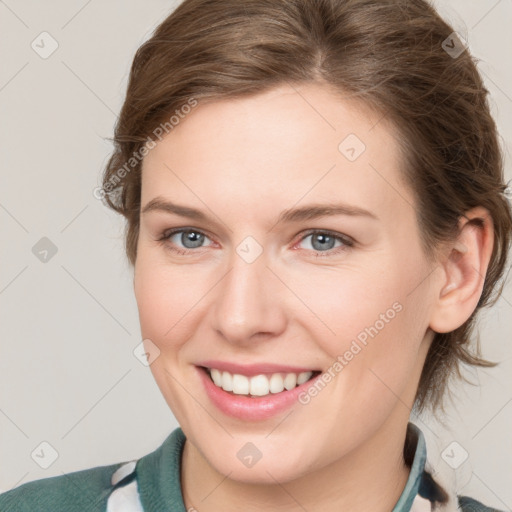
(257,397)
(258,385)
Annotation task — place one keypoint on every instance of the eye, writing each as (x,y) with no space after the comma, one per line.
(325,242)
(189,239)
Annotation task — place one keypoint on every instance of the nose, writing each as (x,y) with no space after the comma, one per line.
(249,302)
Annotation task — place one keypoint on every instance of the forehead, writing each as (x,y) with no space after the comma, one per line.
(286,145)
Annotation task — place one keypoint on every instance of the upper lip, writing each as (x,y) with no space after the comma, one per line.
(250,370)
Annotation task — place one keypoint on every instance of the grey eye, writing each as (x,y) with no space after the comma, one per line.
(321,241)
(189,239)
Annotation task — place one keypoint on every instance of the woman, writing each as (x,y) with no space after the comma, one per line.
(316,213)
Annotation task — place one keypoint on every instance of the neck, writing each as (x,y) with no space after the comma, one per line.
(369,478)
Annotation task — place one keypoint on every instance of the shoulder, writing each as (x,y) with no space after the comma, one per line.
(85,490)
(467,504)
(95,489)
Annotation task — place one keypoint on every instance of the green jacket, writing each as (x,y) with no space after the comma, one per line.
(152,484)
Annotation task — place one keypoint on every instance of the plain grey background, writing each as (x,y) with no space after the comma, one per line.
(68,376)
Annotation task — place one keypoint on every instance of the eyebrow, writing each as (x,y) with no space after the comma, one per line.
(308,212)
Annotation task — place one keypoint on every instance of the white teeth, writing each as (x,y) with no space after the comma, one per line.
(216,376)
(303,377)
(276,384)
(290,381)
(258,385)
(227,381)
(240,384)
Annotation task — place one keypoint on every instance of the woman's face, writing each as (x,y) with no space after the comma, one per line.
(248,283)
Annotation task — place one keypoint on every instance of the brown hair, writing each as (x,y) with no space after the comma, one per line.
(391,54)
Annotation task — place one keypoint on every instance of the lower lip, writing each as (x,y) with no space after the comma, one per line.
(252,409)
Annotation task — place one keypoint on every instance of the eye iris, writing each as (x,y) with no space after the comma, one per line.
(196,239)
(326,240)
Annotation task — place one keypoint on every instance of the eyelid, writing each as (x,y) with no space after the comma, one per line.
(168,233)
(344,238)
(348,242)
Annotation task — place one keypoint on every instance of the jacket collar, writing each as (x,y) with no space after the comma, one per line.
(159,484)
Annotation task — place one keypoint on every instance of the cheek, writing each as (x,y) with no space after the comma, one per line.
(168,301)
(341,303)
(167,298)
(368,320)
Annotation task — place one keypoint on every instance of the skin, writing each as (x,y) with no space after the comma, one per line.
(243,162)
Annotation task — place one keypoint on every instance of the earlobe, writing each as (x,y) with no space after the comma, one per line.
(464,270)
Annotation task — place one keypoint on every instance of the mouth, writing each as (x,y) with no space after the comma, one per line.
(261,385)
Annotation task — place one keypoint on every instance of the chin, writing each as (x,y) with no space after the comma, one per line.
(268,465)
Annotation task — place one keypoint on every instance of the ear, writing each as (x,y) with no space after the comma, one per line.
(463,271)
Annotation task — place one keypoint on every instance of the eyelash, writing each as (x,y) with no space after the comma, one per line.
(347,241)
